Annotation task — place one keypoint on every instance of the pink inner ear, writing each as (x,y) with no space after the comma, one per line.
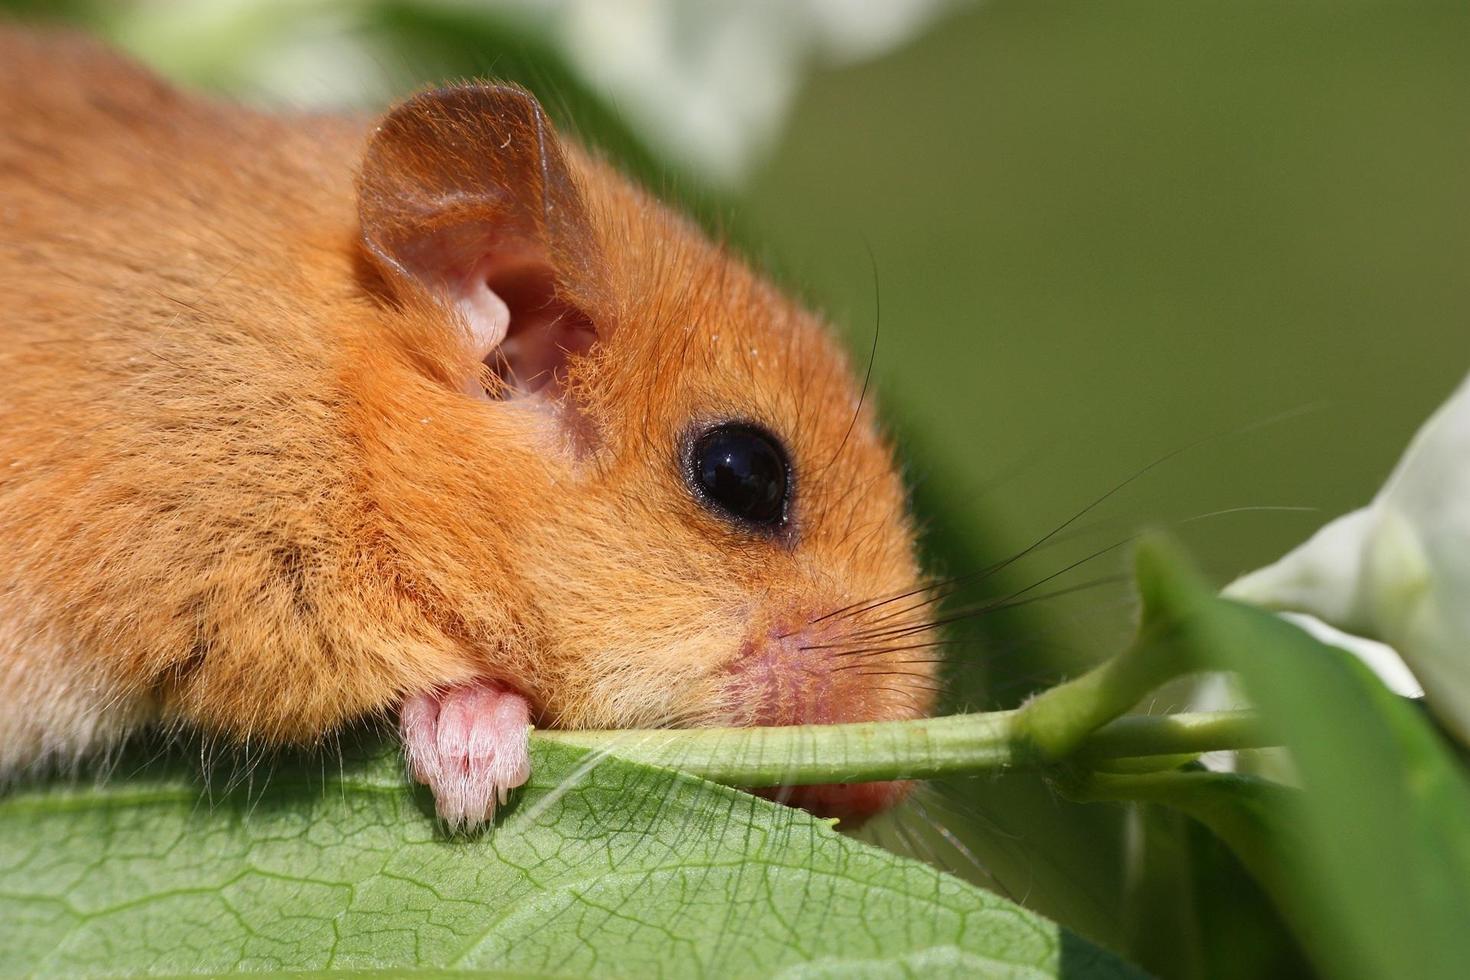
(485,312)
(522,331)
(544,332)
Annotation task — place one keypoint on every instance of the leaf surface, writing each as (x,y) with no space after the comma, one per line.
(609,869)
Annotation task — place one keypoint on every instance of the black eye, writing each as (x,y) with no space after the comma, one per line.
(742,472)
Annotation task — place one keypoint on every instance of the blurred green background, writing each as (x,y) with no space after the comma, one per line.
(1108,231)
(1101,233)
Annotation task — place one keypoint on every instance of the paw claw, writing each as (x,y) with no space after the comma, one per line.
(468,744)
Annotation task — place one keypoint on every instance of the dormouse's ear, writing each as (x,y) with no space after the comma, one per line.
(465,193)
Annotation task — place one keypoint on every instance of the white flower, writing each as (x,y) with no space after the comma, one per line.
(707,83)
(1397,570)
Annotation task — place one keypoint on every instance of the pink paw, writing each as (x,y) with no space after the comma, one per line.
(469,745)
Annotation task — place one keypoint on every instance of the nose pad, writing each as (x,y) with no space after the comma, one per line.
(853,804)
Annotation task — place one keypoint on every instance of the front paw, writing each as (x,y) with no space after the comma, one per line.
(468,744)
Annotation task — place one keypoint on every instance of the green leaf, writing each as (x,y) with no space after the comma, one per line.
(1371,859)
(606,869)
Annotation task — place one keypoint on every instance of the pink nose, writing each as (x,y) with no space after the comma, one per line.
(853,804)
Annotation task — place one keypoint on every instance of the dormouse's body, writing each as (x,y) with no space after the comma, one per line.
(305,419)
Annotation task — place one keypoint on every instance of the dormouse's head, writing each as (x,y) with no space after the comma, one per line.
(622,473)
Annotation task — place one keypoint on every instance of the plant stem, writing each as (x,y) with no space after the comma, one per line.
(1057,721)
(1190,733)
(918,749)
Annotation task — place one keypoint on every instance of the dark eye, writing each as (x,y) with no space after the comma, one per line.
(742,472)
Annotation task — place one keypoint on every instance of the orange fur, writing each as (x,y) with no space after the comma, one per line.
(242,487)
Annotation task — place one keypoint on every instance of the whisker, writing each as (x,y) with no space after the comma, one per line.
(868,375)
(1259,508)
(863,653)
(918,847)
(994,605)
(908,695)
(918,682)
(939,592)
(907,660)
(942,589)
(844,646)
(1010,601)
(860,607)
(1106,580)
(960,847)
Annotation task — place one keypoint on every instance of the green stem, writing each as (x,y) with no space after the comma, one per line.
(1056,722)
(1182,734)
(1078,719)
(919,749)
